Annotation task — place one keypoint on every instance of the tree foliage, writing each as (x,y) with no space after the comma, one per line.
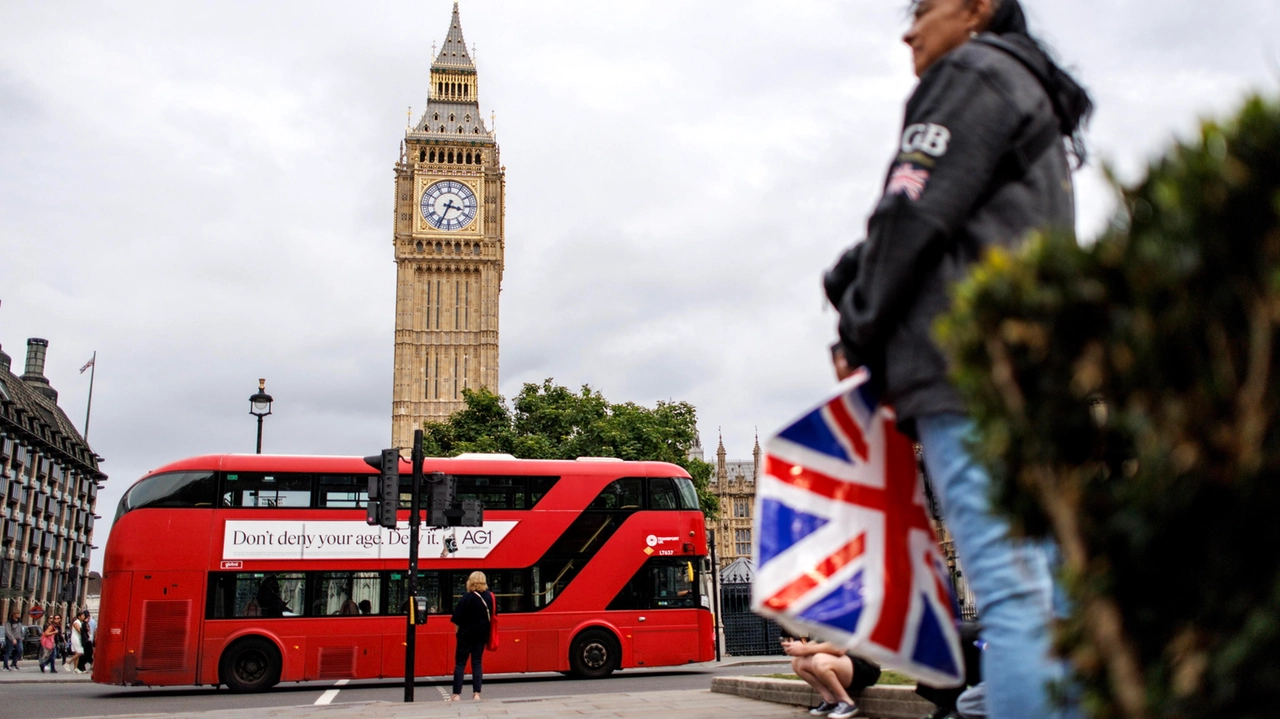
(1127,400)
(549,421)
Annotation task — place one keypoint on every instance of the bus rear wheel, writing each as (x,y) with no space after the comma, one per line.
(251,664)
(594,654)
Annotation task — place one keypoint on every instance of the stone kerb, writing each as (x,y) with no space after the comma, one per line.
(878,702)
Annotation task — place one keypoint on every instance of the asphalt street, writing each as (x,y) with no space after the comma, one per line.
(65,700)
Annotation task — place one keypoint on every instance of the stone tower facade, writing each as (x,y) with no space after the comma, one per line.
(449,248)
(734,483)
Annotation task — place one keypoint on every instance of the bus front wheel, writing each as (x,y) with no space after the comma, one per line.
(250,665)
(594,654)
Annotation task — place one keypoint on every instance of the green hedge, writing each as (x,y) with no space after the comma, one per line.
(1127,398)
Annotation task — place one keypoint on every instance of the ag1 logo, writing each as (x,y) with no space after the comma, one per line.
(928,138)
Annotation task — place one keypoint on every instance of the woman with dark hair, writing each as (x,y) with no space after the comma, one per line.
(982,162)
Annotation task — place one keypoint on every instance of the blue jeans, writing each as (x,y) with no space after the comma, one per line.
(1011,579)
(476,652)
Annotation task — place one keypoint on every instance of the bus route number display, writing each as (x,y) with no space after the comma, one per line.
(328,539)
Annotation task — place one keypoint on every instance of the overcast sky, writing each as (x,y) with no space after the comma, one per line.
(202,193)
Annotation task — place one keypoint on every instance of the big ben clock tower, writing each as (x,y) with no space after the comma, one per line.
(448,248)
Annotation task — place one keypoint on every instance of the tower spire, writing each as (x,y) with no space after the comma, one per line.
(453,53)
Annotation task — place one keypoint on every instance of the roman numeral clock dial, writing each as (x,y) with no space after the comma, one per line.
(448,205)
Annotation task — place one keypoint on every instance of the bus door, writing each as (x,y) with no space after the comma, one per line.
(164,627)
(663,634)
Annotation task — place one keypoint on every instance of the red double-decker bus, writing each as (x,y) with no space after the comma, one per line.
(249,570)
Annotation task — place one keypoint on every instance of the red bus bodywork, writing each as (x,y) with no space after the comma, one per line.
(159,559)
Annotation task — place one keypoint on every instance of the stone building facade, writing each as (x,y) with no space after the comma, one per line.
(449,247)
(49,481)
(734,483)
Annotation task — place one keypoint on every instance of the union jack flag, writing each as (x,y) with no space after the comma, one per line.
(907,179)
(844,546)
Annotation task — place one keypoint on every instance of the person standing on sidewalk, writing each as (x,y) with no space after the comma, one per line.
(981,163)
(49,644)
(471,614)
(13,641)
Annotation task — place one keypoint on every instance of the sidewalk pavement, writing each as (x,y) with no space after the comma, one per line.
(686,704)
(30,672)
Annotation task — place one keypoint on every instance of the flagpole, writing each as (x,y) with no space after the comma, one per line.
(93,369)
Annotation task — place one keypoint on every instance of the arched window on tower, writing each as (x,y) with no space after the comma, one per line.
(442,128)
(419,247)
(475,249)
(422,156)
(468,158)
(460,130)
(433,155)
(439,249)
(436,117)
(451,157)
(451,117)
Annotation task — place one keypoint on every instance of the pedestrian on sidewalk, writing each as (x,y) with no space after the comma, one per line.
(13,641)
(833,673)
(49,639)
(86,641)
(980,164)
(76,634)
(471,614)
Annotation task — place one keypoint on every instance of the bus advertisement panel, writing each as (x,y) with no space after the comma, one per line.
(249,570)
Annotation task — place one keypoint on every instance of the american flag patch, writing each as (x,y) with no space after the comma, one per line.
(907,179)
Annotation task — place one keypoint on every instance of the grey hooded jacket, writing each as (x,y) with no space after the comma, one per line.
(949,195)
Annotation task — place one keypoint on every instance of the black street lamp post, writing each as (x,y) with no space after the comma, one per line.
(260,406)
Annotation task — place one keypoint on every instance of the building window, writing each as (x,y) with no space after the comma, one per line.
(742,542)
(741,507)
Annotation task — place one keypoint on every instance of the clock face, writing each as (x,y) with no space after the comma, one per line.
(448,205)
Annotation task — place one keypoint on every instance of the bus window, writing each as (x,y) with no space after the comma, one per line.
(175,489)
(538,488)
(259,489)
(350,593)
(662,493)
(625,493)
(688,495)
(256,594)
(428,586)
(507,586)
(660,584)
(342,491)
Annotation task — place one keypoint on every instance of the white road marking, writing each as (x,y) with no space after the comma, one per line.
(443,692)
(331,694)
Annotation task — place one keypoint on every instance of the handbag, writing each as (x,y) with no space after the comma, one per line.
(492,644)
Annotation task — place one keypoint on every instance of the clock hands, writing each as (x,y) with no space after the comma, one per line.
(448,205)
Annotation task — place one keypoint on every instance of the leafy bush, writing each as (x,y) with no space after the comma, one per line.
(1127,400)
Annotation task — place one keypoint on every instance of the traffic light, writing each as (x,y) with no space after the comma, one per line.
(441,488)
(446,509)
(384,490)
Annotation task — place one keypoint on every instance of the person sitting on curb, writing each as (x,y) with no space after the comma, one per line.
(832,673)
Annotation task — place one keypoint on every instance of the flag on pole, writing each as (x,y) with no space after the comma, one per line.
(88,364)
(844,547)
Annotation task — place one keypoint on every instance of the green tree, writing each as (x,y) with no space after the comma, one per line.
(550,421)
(1127,399)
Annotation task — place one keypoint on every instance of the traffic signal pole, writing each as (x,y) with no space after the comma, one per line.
(415,520)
